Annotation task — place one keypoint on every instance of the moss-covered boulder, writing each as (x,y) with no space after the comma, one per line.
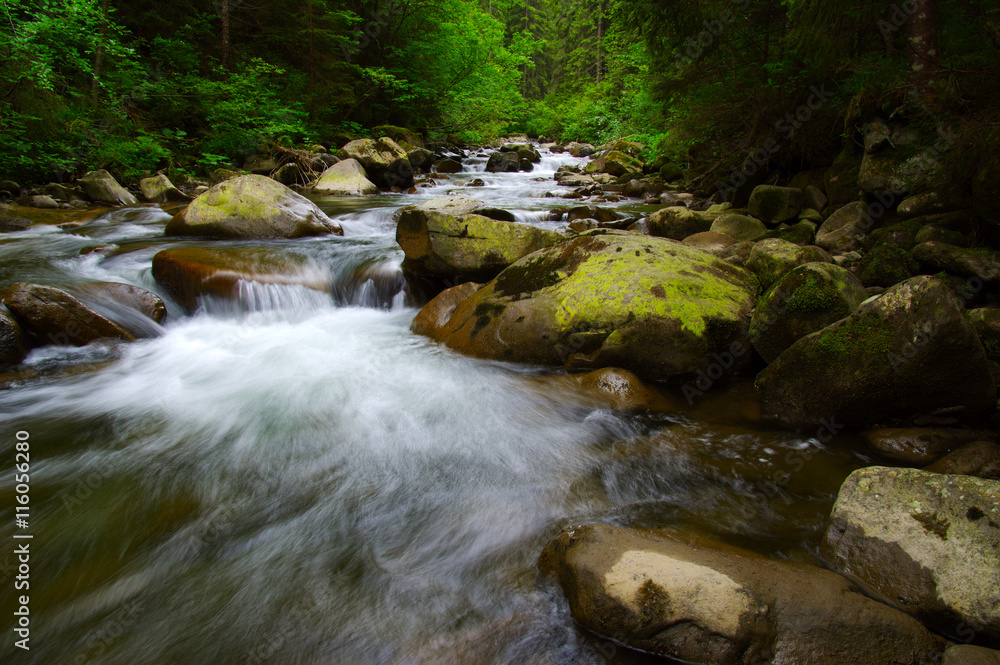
(609,299)
(772,258)
(841,179)
(614,162)
(580,149)
(845,229)
(399,134)
(190,273)
(740,227)
(523,150)
(979,458)
(679,222)
(916,446)
(503,162)
(802,232)
(159,189)
(101,187)
(900,171)
(942,234)
(386,164)
(420,158)
(465,248)
(886,265)
(807,299)
(910,352)
(48,315)
(11,342)
(925,542)
(251,206)
(773,205)
(986,322)
(455,206)
(345,178)
(670,172)
(697,600)
(983,264)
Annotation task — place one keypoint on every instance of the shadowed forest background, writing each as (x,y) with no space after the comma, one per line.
(190,85)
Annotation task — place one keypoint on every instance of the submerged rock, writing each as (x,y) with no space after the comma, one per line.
(188,273)
(926,542)
(466,248)
(345,178)
(48,315)
(906,353)
(706,602)
(251,206)
(609,299)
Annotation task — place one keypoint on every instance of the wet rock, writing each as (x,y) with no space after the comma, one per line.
(615,163)
(926,542)
(739,227)
(159,189)
(385,163)
(420,158)
(453,205)
(980,459)
(102,187)
(773,258)
(37,201)
(447,166)
(189,273)
(436,313)
(524,151)
(983,264)
(593,212)
(251,206)
(131,307)
(773,205)
(906,353)
(919,445)
(608,299)
(345,178)
(464,248)
(679,222)
(845,229)
(503,162)
(807,299)
(48,315)
(705,602)
(11,342)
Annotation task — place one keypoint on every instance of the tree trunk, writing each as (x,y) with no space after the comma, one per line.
(312,63)
(600,38)
(224,15)
(922,41)
(95,84)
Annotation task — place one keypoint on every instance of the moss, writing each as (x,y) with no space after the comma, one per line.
(886,265)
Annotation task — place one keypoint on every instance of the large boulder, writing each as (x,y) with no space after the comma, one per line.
(503,162)
(453,205)
(916,446)
(159,189)
(740,227)
(928,543)
(983,264)
(251,206)
(101,186)
(807,299)
(48,315)
(189,273)
(345,178)
(614,162)
(523,150)
(679,222)
(400,135)
(773,258)
(701,601)
(899,171)
(436,313)
(11,341)
(609,299)
(580,149)
(907,353)
(465,248)
(986,322)
(386,164)
(773,205)
(845,229)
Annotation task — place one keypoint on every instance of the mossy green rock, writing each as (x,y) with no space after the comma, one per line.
(773,205)
(386,164)
(926,542)
(465,248)
(159,189)
(608,299)
(345,178)
(614,162)
(886,265)
(986,322)
(897,171)
(740,227)
(772,258)
(982,264)
(101,186)
(671,172)
(399,134)
(807,299)
(907,353)
(802,232)
(251,206)
(679,222)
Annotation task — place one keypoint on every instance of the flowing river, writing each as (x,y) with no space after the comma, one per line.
(297,478)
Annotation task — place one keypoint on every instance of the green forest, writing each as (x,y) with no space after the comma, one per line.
(191,85)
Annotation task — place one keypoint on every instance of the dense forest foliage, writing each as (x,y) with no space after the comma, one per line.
(192,84)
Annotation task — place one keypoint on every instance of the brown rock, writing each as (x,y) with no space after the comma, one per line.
(51,316)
